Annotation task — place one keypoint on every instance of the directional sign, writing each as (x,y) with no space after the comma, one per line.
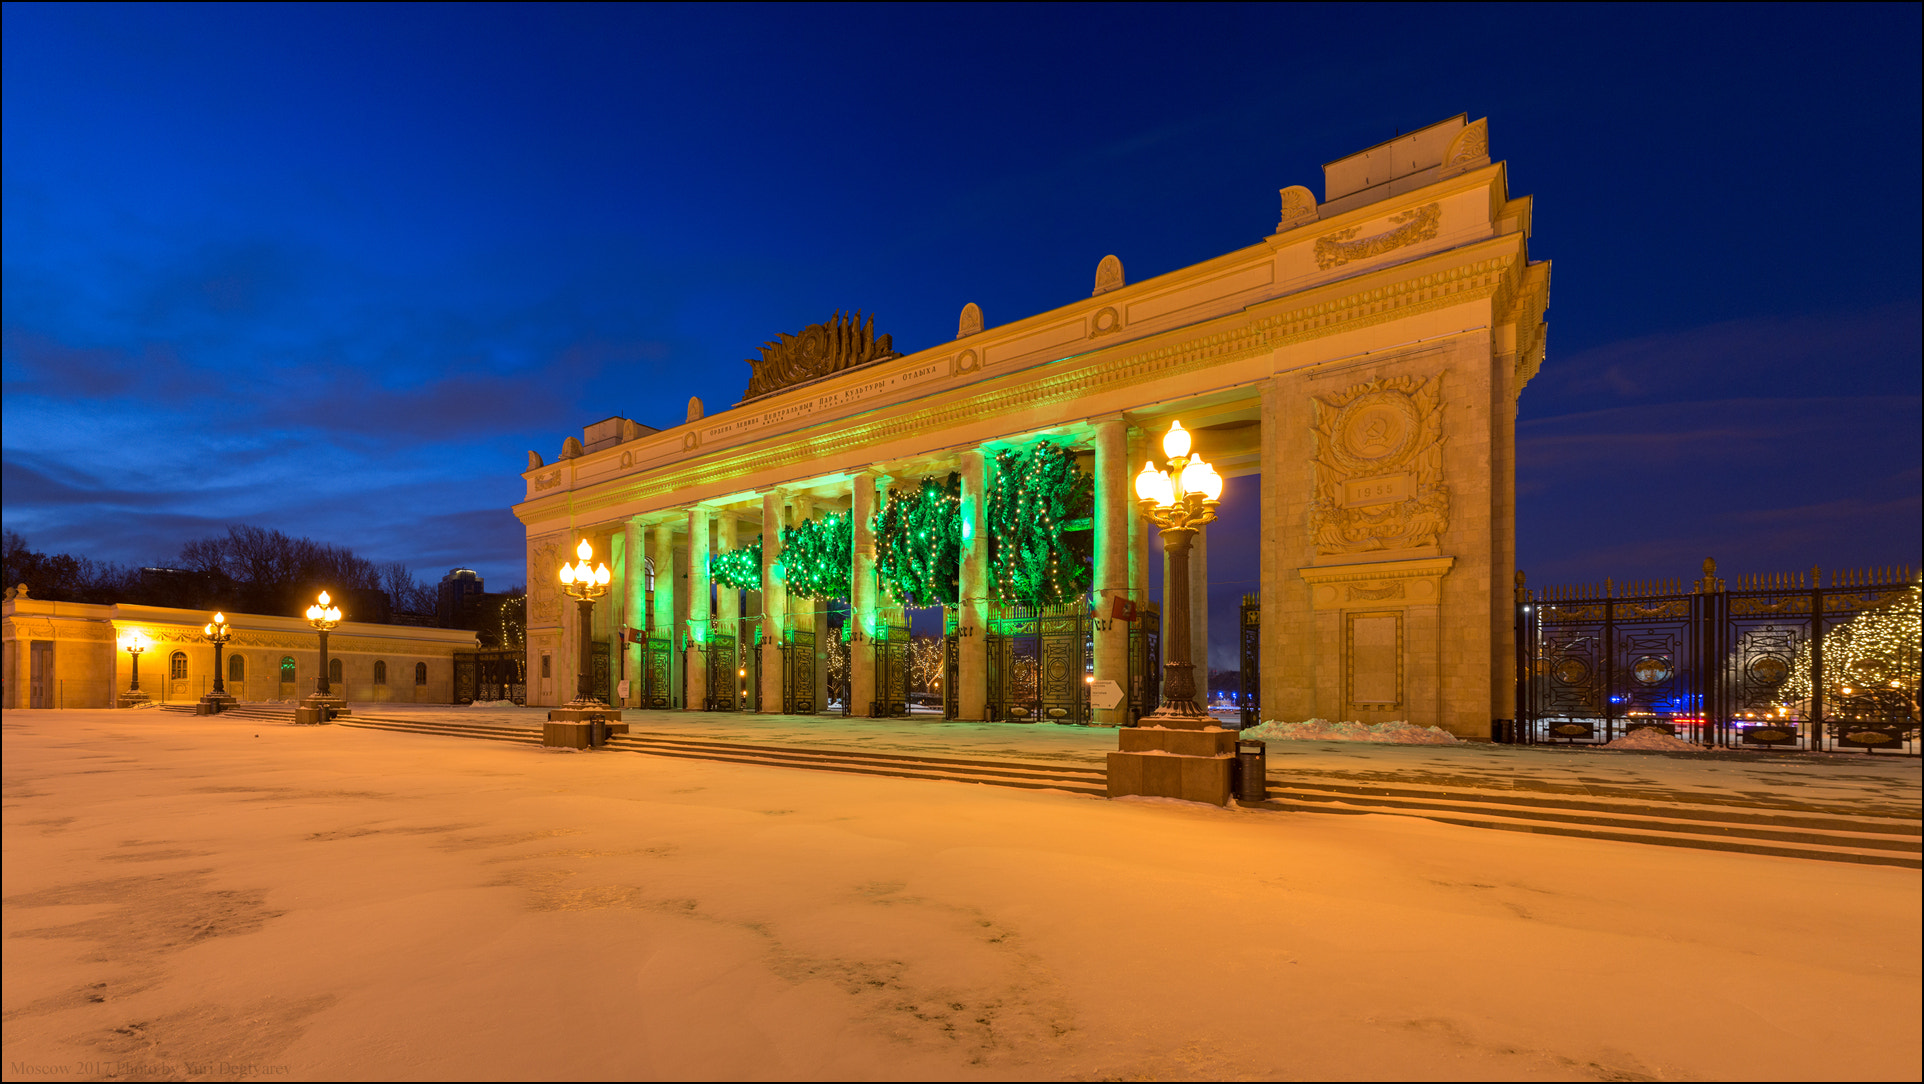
(1105,694)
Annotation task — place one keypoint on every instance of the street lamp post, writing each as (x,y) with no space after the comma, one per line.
(322,704)
(217,633)
(1177,751)
(133,643)
(1180,501)
(575,725)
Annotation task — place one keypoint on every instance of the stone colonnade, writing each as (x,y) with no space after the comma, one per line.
(672,548)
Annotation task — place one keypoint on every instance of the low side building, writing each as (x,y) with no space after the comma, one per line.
(68,654)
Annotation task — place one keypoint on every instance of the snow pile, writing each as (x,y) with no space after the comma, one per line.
(1654,740)
(494,704)
(1394,733)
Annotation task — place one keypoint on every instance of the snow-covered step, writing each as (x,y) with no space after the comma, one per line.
(1706,810)
(1852,847)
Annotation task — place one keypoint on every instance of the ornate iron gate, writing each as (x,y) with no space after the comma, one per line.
(750,698)
(1038,662)
(1732,668)
(891,647)
(1145,660)
(951,674)
(655,673)
(723,680)
(1249,691)
(490,675)
(598,673)
(798,673)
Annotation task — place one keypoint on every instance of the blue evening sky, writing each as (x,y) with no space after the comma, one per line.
(334,269)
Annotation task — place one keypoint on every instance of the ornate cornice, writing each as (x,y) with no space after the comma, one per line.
(1264,327)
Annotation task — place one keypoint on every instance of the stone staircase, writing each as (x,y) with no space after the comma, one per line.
(1783,830)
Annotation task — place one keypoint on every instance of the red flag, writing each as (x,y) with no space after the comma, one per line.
(1121,608)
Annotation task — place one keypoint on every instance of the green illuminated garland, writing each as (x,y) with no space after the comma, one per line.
(816,556)
(738,567)
(1038,511)
(918,543)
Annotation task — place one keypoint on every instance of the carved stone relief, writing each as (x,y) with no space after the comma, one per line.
(544,560)
(547,481)
(818,350)
(1108,275)
(1105,321)
(970,321)
(1416,224)
(1379,467)
(1470,149)
(1299,206)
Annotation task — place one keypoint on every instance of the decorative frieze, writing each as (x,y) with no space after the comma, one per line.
(1378,467)
(1343,246)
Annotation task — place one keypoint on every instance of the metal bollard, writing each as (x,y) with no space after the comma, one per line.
(1252,760)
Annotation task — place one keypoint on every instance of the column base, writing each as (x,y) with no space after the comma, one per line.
(316,708)
(574,727)
(1193,764)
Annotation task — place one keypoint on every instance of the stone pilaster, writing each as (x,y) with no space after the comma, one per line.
(861,670)
(774,599)
(695,660)
(972,620)
(634,595)
(665,596)
(1112,559)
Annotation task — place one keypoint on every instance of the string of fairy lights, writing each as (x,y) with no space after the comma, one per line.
(1038,511)
(1871,662)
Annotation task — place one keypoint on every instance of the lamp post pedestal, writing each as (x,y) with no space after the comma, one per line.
(1177,751)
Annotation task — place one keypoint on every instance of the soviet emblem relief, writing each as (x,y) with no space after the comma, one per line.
(1378,467)
(818,350)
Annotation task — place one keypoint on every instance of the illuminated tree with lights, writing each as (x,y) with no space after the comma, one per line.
(918,543)
(1870,664)
(1039,506)
(741,567)
(816,557)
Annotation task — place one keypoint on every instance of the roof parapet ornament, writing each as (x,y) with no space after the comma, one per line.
(1108,276)
(818,350)
(970,321)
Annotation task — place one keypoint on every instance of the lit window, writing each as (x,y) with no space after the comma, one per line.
(177,666)
(287,669)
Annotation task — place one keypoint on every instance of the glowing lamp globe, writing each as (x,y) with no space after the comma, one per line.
(1175,443)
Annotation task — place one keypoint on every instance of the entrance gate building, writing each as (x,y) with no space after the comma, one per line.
(1363,356)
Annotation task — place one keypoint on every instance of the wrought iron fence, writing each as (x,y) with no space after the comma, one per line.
(1792,661)
(490,675)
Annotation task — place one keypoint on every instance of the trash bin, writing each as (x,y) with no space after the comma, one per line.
(597,731)
(1252,771)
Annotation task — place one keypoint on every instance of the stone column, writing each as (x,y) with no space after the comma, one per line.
(861,661)
(634,593)
(811,615)
(665,597)
(1112,560)
(695,664)
(1199,614)
(728,601)
(972,618)
(774,599)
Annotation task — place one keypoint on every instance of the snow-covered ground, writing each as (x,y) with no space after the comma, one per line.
(208,898)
